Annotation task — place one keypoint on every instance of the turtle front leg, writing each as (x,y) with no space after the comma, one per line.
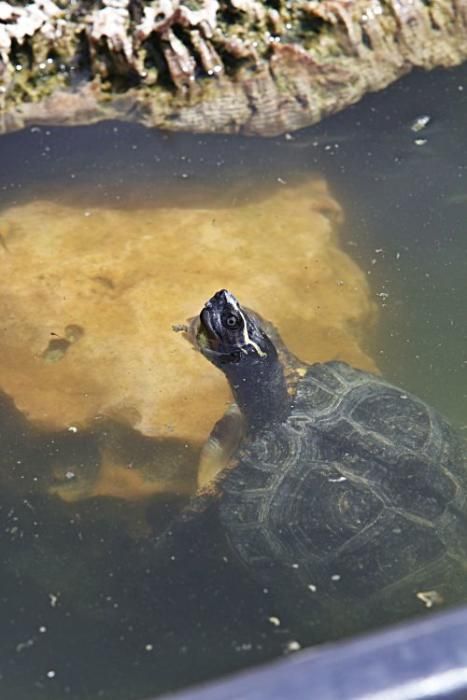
(117,478)
(221,445)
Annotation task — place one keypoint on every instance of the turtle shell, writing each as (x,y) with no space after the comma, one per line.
(361,491)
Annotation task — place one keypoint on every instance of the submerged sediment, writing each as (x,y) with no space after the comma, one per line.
(250,66)
(88,298)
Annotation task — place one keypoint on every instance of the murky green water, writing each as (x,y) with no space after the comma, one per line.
(85,611)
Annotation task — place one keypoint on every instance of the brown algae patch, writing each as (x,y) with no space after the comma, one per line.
(88,298)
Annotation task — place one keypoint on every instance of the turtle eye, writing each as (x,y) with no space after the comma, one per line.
(232,321)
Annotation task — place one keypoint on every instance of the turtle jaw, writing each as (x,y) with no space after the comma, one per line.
(201,332)
(207,337)
(200,335)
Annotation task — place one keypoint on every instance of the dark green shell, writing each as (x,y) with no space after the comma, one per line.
(360,492)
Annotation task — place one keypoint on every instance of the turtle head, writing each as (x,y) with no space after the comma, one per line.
(228,334)
(234,340)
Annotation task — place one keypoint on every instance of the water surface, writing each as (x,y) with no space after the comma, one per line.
(81,614)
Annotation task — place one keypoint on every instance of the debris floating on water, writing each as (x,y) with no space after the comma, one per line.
(430,598)
(420,123)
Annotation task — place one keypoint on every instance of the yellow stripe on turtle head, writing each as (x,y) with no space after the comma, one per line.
(246,338)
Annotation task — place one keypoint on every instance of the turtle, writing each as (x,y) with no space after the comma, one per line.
(341,493)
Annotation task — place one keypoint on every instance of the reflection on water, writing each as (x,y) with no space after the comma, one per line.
(87,607)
